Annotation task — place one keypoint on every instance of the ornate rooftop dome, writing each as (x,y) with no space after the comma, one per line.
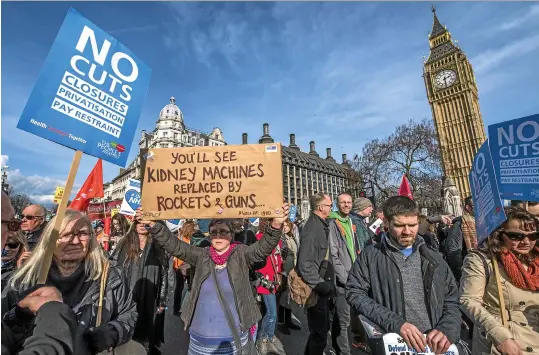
(171,112)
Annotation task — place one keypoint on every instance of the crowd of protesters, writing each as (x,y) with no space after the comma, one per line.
(425,278)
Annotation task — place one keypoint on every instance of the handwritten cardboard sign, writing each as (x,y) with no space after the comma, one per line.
(233,181)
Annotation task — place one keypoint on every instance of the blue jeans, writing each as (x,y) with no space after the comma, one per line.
(267,329)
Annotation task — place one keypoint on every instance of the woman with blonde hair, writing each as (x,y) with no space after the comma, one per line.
(16,245)
(78,265)
(514,245)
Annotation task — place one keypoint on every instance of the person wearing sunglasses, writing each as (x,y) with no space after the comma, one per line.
(514,245)
(221,312)
(15,246)
(33,222)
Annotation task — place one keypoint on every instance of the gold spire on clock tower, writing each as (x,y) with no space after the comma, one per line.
(452,94)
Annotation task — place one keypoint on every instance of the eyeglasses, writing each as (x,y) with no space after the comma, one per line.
(13,245)
(30,218)
(520,236)
(83,236)
(325,205)
(13,225)
(221,233)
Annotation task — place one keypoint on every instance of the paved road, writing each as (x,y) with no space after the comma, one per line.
(177,340)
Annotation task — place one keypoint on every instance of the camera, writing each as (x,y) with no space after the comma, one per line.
(267,284)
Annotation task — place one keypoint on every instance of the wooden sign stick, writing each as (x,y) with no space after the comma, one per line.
(62,207)
(499,287)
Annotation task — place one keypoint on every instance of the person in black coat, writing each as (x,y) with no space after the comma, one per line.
(54,329)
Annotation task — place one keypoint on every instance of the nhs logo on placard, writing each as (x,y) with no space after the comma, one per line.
(91,88)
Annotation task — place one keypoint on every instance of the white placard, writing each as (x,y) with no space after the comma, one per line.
(374,227)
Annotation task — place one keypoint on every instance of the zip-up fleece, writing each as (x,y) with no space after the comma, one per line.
(239,261)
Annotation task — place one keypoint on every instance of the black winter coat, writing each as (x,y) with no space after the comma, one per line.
(119,312)
(239,261)
(313,247)
(374,290)
(53,333)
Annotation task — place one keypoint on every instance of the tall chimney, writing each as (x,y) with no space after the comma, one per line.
(328,154)
(266,138)
(293,142)
(244,138)
(312,150)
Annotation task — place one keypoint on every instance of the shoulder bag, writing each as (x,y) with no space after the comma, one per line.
(300,292)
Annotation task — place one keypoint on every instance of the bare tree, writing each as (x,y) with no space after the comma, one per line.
(412,150)
(18,200)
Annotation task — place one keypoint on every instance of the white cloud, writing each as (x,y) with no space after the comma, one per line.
(533,12)
(493,57)
(4,160)
(33,185)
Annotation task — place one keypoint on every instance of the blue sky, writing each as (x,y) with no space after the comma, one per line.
(340,74)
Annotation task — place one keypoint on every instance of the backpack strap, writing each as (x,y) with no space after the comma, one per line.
(485,263)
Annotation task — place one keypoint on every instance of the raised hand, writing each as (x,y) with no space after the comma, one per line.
(277,222)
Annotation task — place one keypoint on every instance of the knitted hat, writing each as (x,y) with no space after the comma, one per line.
(360,204)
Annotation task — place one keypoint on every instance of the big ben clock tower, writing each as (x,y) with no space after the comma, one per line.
(452,95)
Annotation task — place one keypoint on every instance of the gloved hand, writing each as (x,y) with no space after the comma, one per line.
(326,288)
(101,338)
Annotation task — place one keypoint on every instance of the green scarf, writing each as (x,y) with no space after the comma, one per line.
(346,223)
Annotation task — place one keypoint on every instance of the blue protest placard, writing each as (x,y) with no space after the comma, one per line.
(131,198)
(89,93)
(514,146)
(293,213)
(488,207)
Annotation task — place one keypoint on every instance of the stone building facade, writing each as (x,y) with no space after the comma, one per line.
(454,99)
(170,131)
(306,173)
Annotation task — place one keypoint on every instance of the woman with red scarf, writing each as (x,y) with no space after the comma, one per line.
(514,245)
(270,274)
(221,311)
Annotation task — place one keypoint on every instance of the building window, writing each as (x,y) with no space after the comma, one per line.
(165,134)
(175,135)
(176,112)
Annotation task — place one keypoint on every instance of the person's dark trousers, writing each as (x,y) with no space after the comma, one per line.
(318,317)
(180,283)
(341,321)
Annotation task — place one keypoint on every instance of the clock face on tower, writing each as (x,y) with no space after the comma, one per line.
(445,78)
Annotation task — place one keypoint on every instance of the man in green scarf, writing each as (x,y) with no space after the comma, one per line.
(343,250)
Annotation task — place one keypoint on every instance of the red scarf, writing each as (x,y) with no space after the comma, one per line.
(222,258)
(518,275)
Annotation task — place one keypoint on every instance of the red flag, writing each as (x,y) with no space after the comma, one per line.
(405,189)
(92,188)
